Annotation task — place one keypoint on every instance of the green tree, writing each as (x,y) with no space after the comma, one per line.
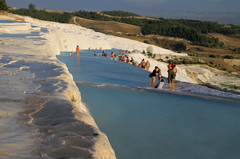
(32,6)
(3,5)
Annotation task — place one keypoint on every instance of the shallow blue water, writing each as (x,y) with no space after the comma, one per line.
(142,125)
(102,70)
(20,35)
(9,21)
(150,125)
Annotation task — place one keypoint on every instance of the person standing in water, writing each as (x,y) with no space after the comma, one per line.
(170,75)
(115,58)
(156,72)
(77,50)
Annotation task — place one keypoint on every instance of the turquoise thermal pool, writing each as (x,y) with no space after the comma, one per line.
(146,124)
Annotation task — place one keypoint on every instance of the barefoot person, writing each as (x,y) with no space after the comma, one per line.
(147,65)
(170,75)
(174,72)
(156,72)
(77,50)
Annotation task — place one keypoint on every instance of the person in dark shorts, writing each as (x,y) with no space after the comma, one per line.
(170,75)
(156,72)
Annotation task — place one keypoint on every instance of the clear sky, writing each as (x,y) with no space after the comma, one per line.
(94,5)
(152,8)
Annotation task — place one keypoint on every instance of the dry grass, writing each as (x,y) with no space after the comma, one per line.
(109,26)
(233,40)
(211,51)
(220,64)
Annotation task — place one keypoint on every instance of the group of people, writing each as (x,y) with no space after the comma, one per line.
(122,57)
(144,64)
(172,71)
(77,51)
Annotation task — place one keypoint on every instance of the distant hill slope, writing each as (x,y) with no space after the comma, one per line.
(110,26)
(120,13)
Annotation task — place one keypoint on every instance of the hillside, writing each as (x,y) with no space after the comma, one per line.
(109,26)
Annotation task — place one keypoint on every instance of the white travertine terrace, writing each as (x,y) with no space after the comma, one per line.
(50,109)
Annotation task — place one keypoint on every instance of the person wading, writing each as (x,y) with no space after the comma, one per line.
(77,50)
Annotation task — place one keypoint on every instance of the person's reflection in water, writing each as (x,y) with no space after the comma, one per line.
(78,65)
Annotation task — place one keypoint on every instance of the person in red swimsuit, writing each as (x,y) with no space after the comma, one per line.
(77,50)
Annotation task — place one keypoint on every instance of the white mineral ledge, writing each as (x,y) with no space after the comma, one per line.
(41,111)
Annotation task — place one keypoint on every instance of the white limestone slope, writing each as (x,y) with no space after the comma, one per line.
(50,102)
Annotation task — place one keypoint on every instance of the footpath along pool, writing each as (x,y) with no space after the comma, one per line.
(146,124)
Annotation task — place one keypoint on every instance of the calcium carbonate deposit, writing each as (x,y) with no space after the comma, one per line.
(42,115)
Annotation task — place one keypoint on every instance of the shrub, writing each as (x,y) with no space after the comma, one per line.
(212,56)
(199,49)
(147,42)
(221,44)
(227,57)
(150,49)
(149,54)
